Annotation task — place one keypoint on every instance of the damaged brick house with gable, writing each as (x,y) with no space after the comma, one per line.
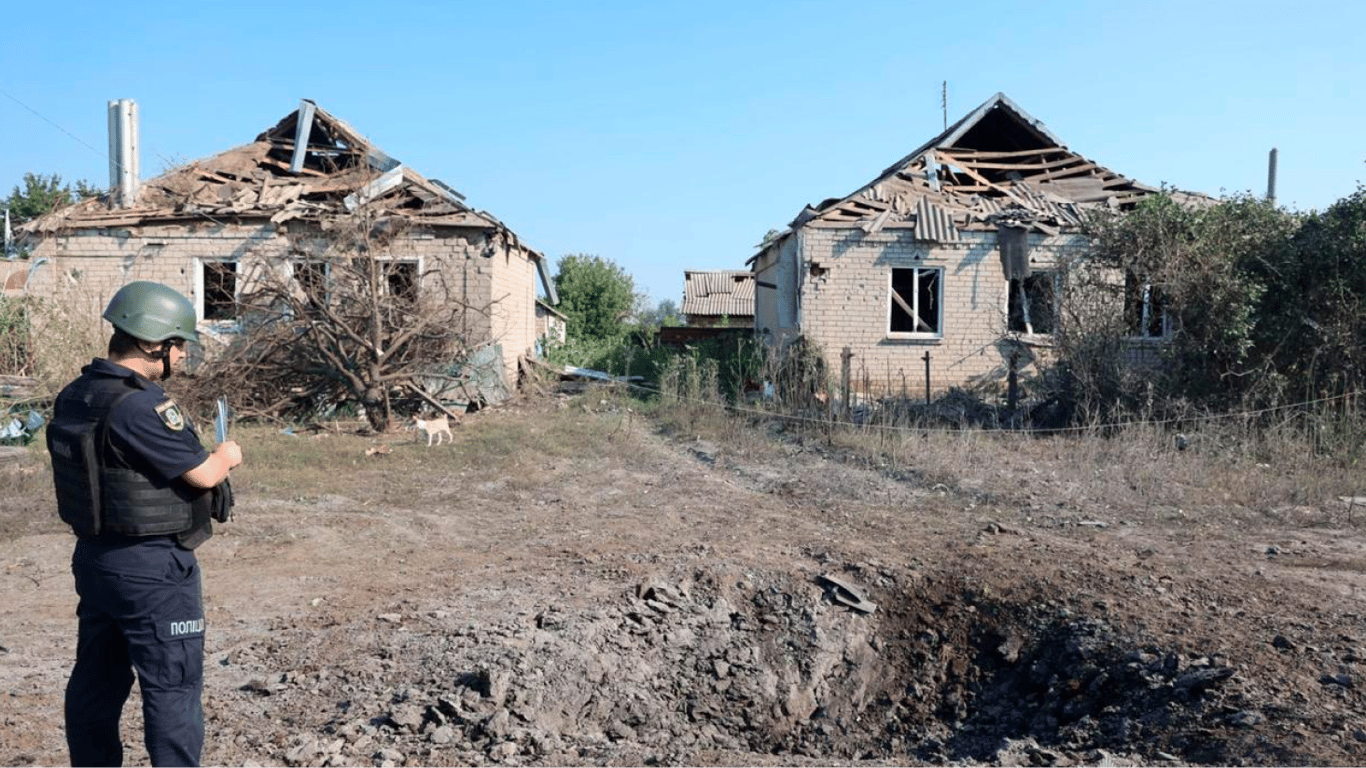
(207,227)
(949,255)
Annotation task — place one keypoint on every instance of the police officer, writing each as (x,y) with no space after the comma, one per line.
(140,491)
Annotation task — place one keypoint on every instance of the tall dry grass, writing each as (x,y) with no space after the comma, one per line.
(49,338)
(1279,467)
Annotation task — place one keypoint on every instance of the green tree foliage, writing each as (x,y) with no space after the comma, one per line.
(665,313)
(1312,327)
(40,194)
(1205,263)
(597,296)
(1261,304)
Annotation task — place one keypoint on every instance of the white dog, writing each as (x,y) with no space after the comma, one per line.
(435,428)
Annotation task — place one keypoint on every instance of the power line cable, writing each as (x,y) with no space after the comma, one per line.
(76,138)
(52,123)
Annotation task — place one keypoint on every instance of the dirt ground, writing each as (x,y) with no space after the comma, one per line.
(571,584)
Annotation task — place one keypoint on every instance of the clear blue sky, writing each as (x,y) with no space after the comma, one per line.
(671,136)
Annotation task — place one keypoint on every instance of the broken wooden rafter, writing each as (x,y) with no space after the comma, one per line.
(271,162)
(876,205)
(995,155)
(872,226)
(1044,166)
(1065,173)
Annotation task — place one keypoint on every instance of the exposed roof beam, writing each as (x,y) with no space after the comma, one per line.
(991,155)
(1040,166)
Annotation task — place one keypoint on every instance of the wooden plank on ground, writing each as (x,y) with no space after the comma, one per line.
(17,386)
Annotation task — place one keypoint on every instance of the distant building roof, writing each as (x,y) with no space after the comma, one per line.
(729,292)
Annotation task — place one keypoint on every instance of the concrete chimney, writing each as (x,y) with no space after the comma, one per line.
(123,152)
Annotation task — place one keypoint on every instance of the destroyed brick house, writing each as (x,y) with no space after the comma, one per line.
(204,227)
(948,256)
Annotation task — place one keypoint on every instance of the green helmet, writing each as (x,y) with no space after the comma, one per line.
(152,312)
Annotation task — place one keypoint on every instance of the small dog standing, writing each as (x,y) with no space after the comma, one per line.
(435,428)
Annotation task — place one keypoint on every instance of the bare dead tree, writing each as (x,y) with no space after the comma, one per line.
(347,320)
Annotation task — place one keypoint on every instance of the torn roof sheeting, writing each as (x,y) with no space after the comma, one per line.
(997,162)
(311,165)
(727,292)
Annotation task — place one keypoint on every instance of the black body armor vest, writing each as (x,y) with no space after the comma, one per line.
(98,489)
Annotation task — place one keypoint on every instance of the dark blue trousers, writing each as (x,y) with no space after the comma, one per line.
(140,609)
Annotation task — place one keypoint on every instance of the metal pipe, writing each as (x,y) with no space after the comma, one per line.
(926,358)
(123,152)
(1271,178)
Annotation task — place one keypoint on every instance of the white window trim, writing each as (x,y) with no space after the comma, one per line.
(939,309)
(418,260)
(217,325)
(294,263)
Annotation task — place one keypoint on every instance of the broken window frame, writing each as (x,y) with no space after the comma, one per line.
(212,306)
(926,287)
(390,271)
(1145,309)
(1032,304)
(314,278)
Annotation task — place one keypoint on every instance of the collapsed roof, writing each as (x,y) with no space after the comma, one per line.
(310,166)
(996,165)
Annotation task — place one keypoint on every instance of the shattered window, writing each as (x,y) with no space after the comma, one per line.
(1145,308)
(401,278)
(1030,304)
(915,300)
(311,277)
(219,279)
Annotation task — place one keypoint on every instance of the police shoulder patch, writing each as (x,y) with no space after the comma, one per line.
(170,415)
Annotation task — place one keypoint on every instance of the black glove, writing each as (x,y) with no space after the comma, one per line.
(220,505)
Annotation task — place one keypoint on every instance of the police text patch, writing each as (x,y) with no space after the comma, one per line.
(170,415)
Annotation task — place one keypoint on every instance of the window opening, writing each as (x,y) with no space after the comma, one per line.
(1145,308)
(915,300)
(401,279)
(220,290)
(311,277)
(1030,304)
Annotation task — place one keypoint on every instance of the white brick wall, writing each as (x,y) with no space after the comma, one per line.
(845,301)
(499,284)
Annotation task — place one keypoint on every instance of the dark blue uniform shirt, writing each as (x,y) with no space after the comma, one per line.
(144,437)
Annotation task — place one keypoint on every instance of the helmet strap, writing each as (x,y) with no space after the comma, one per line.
(165,359)
(160,352)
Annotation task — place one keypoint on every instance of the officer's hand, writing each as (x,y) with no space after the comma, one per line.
(230,452)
